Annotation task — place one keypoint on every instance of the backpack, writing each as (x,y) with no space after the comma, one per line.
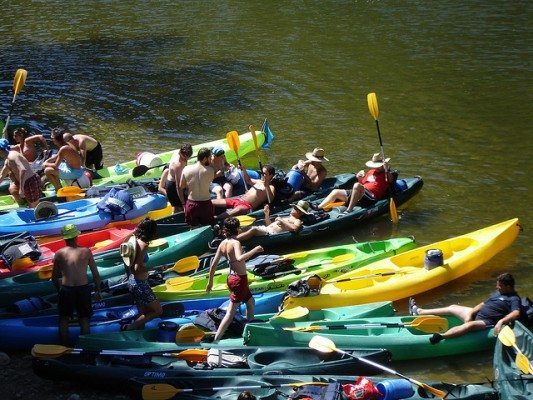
(210,319)
(269,270)
(117,202)
(332,391)
(18,248)
(309,286)
(315,216)
(526,311)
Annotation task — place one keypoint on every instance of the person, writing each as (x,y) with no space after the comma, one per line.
(66,164)
(369,188)
(313,171)
(31,146)
(196,179)
(260,192)
(89,148)
(69,275)
(175,169)
(25,184)
(134,251)
(501,308)
(226,175)
(292,223)
(237,279)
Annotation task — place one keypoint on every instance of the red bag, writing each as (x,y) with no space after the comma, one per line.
(363,389)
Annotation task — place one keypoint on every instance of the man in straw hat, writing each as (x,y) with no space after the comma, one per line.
(369,188)
(292,223)
(69,276)
(313,170)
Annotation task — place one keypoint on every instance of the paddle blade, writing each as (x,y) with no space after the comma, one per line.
(159,391)
(507,336)
(233,141)
(186,264)
(292,313)
(373,104)
(49,350)
(333,204)
(429,324)
(522,362)
(139,170)
(322,344)
(68,191)
(393,212)
(19,80)
(189,333)
(254,137)
(183,282)
(245,220)
(193,355)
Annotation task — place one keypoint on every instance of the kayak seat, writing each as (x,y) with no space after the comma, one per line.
(103,243)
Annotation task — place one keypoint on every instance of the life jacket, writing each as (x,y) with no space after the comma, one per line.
(211,318)
(526,311)
(117,202)
(218,358)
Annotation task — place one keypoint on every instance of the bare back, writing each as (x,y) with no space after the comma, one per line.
(198,178)
(71,263)
(232,249)
(86,142)
(71,156)
(175,169)
(19,167)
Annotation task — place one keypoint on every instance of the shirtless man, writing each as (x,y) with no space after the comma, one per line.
(29,145)
(89,148)
(70,279)
(66,164)
(314,173)
(237,281)
(25,184)
(175,169)
(292,223)
(260,192)
(197,178)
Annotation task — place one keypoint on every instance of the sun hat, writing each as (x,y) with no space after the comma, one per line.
(4,145)
(377,161)
(70,231)
(218,151)
(302,206)
(128,250)
(316,155)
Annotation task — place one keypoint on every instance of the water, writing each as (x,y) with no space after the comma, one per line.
(453,82)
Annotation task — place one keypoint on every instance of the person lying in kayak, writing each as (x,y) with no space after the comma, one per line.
(370,187)
(291,223)
(501,308)
(237,280)
(260,192)
(66,164)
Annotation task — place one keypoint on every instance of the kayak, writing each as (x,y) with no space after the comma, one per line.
(110,264)
(23,333)
(512,382)
(117,367)
(326,224)
(287,387)
(392,278)
(276,276)
(148,340)
(83,213)
(120,173)
(398,334)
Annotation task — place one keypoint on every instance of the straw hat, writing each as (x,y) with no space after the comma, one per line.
(128,250)
(302,206)
(376,161)
(316,155)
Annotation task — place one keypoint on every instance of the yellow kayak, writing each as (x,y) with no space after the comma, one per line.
(414,271)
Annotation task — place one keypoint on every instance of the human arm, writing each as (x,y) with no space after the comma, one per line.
(34,139)
(181,187)
(240,256)
(96,275)
(512,316)
(474,312)
(290,224)
(212,269)
(162,186)
(266,210)
(56,272)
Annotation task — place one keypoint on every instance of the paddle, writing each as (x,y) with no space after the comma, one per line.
(292,313)
(68,191)
(186,264)
(245,220)
(254,137)
(367,276)
(234,143)
(324,345)
(55,350)
(332,205)
(55,215)
(18,83)
(374,111)
(428,324)
(163,391)
(140,170)
(508,338)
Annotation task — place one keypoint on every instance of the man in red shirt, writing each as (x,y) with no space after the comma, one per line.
(369,188)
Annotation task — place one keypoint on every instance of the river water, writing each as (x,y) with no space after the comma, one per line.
(453,81)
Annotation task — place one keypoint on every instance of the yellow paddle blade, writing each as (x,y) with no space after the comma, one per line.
(373,104)
(254,137)
(429,324)
(68,191)
(245,220)
(233,141)
(333,204)
(293,256)
(194,355)
(45,272)
(393,212)
(49,350)
(190,333)
(186,264)
(19,80)
(159,391)
(507,336)
(183,282)
(292,313)
(522,362)
(322,344)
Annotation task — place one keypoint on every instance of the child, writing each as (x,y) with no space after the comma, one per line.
(237,281)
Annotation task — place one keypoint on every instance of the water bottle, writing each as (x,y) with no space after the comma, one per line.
(119,170)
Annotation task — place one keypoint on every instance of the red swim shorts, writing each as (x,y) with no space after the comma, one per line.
(199,212)
(234,202)
(238,286)
(32,188)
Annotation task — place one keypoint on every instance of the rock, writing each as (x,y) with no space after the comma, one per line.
(4,359)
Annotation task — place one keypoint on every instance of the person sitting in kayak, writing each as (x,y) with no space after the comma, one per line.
(501,308)
(313,172)
(237,279)
(370,186)
(31,146)
(292,223)
(226,175)
(89,148)
(25,184)
(260,192)
(175,169)
(66,164)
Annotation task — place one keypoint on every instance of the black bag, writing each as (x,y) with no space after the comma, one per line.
(526,311)
(18,248)
(211,318)
(268,270)
(333,391)
(309,286)
(315,216)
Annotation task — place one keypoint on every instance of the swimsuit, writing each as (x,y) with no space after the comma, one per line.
(141,291)
(367,200)
(238,286)
(75,298)
(199,212)
(172,194)
(32,188)
(66,172)
(94,157)
(234,202)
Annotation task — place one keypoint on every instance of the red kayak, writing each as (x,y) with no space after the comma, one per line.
(97,241)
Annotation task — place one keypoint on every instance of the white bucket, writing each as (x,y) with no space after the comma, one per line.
(148,159)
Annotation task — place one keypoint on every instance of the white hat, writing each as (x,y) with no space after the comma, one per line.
(377,161)
(128,250)
(316,155)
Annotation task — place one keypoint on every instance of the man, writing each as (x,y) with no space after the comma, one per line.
(260,192)
(175,169)
(313,172)
(25,184)
(196,179)
(292,223)
(69,276)
(501,308)
(66,164)
(31,146)
(89,148)
(221,187)
(369,188)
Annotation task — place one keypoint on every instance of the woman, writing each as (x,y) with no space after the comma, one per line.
(134,251)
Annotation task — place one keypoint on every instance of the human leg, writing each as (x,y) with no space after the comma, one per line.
(226,321)
(250,308)
(63,330)
(335,194)
(147,312)
(228,189)
(52,175)
(14,190)
(84,326)
(253,231)
(358,191)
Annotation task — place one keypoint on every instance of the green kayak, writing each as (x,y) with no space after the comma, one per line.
(110,264)
(512,369)
(401,335)
(147,339)
(326,262)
